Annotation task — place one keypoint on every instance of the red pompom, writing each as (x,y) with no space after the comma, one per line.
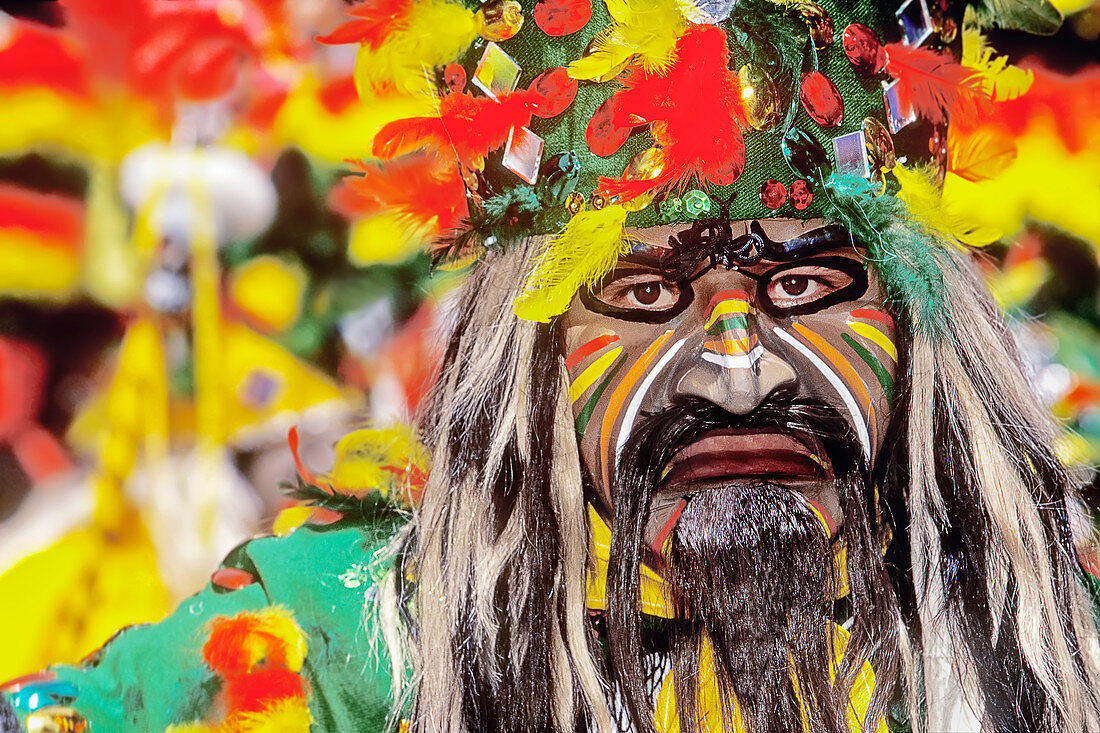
(934,85)
(696,114)
(374,20)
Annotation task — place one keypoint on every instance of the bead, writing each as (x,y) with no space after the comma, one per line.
(818,22)
(56,719)
(880,147)
(671,208)
(760,96)
(802,194)
(598,201)
(562,17)
(805,155)
(559,175)
(773,193)
(499,20)
(603,135)
(863,49)
(946,27)
(696,202)
(231,578)
(646,165)
(574,203)
(821,99)
(454,77)
(553,91)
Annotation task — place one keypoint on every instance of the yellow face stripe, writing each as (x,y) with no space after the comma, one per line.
(594,371)
(731,346)
(728,307)
(872,333)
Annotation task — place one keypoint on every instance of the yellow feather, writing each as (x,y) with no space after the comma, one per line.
(924,200)
(999,80)
(373,458)
(647,29)
(286,716)
(436,33)
(577,257)
(980,154)
(278,623)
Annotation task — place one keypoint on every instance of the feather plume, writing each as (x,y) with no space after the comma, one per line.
(980,154)
(775,41)
(647,29)
(238,643)
(373,21)
(934,86)
(467,125)
(390,459)
(422,184)
(924,201)
(1033,16)
(699,105)
(435,32)
(577,257)
(999,80)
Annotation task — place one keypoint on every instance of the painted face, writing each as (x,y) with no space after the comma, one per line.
(741,320)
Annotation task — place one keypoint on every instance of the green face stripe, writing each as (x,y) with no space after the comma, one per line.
(728,324)
(590,406)
(884,378)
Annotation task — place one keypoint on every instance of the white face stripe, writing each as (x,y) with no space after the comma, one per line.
(636,401)
(842,389)
(735,361)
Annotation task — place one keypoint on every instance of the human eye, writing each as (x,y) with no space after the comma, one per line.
(638,290)
(814,285)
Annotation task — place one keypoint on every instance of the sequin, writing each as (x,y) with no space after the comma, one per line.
(523,154)
(574,203)
(644,166)
(499,20)
(802,194)
(761,97)
(773,193)
(696,203)
(56,719)
(671,208)
(805,155)
(559,175)
(553,91)
(598,200)
(355,576)
(863,49)
(821,99)
(946,27)
(818,22)
(232,578)
(562,17)
(880,147)
(603,135)
(497,72)
(454,77)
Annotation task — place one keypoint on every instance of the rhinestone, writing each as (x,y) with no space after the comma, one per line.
(863,49)
(880,147)
(454,77)
(761,97)
(523,154)
(805,155)
(696,203)
(821,99)
(850,154)
(499,20)
(915,22)
(646,165)
(497,72)
(562,17)
(603,134)
(559,174)
(818,21)
(896,117)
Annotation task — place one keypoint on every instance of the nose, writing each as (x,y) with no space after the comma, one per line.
(734,369)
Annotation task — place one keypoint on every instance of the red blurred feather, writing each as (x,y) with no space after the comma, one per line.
(258,689)
(420,184)
(934,85)
(467,125)
(698,103)
(374,20)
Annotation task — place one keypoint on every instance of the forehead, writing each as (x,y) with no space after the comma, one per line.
(777,229)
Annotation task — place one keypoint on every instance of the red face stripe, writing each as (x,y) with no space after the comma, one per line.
(726,295)
(873,315)
(589,348)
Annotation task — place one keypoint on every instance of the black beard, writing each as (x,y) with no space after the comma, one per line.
(750,572)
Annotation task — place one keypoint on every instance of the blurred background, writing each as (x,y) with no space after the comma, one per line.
(184,279)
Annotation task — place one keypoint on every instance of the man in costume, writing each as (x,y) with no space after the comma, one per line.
(728,433)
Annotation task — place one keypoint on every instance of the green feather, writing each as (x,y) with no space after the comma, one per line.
(1031,16)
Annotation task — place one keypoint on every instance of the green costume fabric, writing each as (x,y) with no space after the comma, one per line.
(150,677)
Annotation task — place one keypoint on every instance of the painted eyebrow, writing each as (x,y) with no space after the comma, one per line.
(812,242)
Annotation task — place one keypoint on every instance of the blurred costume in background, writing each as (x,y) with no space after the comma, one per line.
(728,433)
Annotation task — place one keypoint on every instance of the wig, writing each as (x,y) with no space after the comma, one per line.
(980,591)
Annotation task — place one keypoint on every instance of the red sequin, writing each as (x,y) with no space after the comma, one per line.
(553,92)
(773,193)
(232,578)
(863,48)
(562,17)
(454,76)
(603,135)
(801,194)
(821,99)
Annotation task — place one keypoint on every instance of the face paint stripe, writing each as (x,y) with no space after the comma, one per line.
(731,345)
(589,348)
(727,295)
(636,401)
(842,365)
(594,371)
(845,394)
(873,315)
(735,361)
(871,333)
(883,376)
(618,396)
(728,324)
(728,307)
(590,406)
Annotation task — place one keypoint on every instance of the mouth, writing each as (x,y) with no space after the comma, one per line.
(745,455)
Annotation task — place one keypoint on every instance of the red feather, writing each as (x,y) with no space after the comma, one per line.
(258,689)
(699,114)
(420,184)
(374,20)
(934,85)
(467,125)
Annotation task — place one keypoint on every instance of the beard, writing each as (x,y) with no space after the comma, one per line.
(750,572)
